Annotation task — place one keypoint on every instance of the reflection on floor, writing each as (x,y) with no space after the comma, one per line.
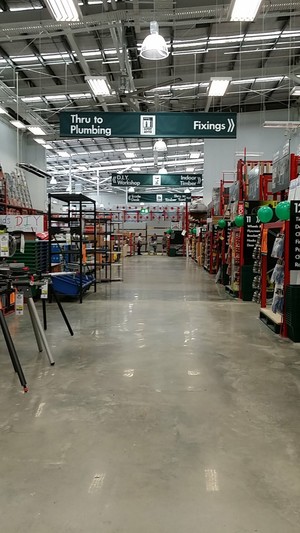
(172,409)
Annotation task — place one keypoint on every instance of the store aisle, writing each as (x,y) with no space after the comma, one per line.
(172,409)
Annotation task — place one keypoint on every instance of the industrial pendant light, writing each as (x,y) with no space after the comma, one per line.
(163,170)
(154,46)
(160,146)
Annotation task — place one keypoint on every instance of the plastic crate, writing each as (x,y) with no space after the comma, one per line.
(69,284)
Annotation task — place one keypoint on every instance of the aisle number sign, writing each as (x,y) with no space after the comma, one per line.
(172,125)
(156,180)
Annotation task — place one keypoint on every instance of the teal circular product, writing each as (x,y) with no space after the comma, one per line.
(283,210)
(265,214)
(222,223)
(239,221)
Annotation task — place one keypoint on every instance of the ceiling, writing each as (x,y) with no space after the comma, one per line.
(43,65)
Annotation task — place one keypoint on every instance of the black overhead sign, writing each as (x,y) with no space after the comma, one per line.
(156,180)
(172,125)
(295,236)
(251,232)
(171,198)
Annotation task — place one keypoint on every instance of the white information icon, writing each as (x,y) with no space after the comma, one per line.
(156,179)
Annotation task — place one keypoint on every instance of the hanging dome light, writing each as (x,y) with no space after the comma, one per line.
(131,189)
(154,46)
(160,146)
(163,170)
(53,181)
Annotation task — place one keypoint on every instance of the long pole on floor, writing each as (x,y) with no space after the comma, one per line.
(12,351)
(36,323)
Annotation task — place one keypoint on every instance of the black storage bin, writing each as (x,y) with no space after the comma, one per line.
(247,277)
(292,309)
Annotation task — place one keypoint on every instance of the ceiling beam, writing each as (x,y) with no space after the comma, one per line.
(48,69)
(38,22)
(74,60)
(202,57)
(16,68)
(237,53)
(267,55)
(83,63)
(167,80)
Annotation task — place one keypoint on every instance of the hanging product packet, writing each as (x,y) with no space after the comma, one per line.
(278,301)
(278,246)
(278,274)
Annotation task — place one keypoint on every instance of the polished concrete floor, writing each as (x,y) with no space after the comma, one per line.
(173,409)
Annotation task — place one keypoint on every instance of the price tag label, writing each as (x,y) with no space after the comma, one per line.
(22,244)
(68,238)
(4,245)
(19,306)
(44,291)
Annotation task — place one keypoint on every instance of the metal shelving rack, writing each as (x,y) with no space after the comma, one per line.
(112,233)
(81,210)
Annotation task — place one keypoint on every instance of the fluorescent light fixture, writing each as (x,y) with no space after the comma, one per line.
(55,97)
(64,10)
(295,91)
(48,147)
(31,99)
(63,153)
(154,46)
(190,169)
(249,154)
(285,124)
(130,155)
(53,181)
(218,86)
(18,124)
(39,140)
(36,130)
(99,85)
(136,169)
(3,111)
(131,189)
(269,80)
(194,155)
(160,146)
(244,10)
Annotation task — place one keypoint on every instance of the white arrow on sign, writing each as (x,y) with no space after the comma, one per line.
(231,125)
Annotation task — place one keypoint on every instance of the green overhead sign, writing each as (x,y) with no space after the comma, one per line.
(173,125)
(171,198)
(156,180)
